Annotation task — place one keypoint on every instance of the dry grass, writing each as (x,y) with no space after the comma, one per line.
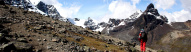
(96,43)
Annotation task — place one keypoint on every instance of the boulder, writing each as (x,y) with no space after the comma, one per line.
(106,46)
(49,47)
(44,40)
(86,49)
(38,27)
(63,30)
(119,43)
(80,49)
(22,40)
(55,40)
(65,41)
(7,47)
(110,41)
(21,46)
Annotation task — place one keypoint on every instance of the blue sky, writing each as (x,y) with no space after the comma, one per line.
(102,10)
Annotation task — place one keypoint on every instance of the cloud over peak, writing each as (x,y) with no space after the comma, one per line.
(120,9)
(179,16)
(164,4)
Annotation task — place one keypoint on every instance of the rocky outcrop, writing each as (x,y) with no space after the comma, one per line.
(90,24)
(188,23)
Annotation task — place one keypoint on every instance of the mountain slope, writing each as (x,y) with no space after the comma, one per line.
(26,31)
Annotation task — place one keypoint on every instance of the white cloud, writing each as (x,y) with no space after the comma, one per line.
(186,4)
(135,1)
(164,4)
(64,11)
(120,10)
(178,16)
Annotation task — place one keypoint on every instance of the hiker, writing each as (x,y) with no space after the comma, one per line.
(142,39)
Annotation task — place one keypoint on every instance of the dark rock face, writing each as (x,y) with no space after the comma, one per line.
(151,9)
(102,24)
(90,24)
(49,9)
(76,19)
(150,6)
(42,6)
(115,21)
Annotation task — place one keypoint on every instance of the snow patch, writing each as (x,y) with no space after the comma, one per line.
(158,17)
(149,13)
(80,23)
(137,14)
(100,29)
(122,23)
(108,30)
(140,13)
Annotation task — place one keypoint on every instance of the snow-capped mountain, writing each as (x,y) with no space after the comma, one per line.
(128,29)
(112,23)
(107,26)
(90,24)
(50,10)
(42,8)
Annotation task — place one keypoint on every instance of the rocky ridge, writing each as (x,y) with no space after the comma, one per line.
(42,8)
(49,9)
(105,27)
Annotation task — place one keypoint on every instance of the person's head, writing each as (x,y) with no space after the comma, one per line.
(142,30)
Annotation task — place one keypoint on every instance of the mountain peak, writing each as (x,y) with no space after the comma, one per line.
(150,6)
(49,9)
(151,10)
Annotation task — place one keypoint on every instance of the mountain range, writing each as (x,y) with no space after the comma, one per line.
(162,35)
(28,31)
(41,7)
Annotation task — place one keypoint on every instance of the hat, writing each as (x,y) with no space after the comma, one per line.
(142,30)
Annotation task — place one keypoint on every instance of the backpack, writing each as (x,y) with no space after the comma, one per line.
(143,35)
